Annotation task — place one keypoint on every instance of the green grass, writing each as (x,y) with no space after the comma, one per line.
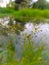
(5,12)
(25,14)
(31,55)
(31,14)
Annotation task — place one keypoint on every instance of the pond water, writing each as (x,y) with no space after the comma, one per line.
(39,32)
(39,35)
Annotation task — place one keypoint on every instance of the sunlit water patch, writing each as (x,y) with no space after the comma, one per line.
(39,32)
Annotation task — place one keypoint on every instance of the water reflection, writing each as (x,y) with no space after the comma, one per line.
(39,34)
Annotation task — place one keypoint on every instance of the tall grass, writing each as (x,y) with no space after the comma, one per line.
(25,14)
(31,14)
(5,12)
(31,55)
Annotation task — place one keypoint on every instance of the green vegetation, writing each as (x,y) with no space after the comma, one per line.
(25,14)
(20,12)
(5,12)
(31,14)
(31,55)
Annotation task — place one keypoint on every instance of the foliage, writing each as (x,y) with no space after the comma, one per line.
(5,12)
(41,4)
(11,5)
(31,55)
(25,15)
(23,3)
(34,15)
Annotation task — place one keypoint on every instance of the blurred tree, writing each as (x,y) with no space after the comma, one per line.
(41,4)
(23,3)
(47,5)
(11,5)
(18,1)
